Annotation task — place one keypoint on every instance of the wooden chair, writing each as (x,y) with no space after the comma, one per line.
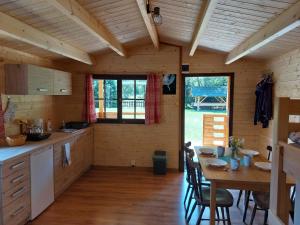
(262,202)
(202,196)
(188,179)
(248,193)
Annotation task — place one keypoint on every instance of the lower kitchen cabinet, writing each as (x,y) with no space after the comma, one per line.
(15,185)
(81,148)
(15,191)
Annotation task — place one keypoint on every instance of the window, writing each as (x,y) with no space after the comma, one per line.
(120,99)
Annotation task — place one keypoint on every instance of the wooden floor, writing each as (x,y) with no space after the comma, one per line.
(125,196)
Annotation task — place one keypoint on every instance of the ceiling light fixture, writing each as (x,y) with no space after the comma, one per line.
(157,18)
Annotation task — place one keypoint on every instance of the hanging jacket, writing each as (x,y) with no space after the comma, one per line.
(264,102)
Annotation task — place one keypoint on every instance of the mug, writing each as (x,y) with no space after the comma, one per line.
(247,160)
(234,164)
(220,151)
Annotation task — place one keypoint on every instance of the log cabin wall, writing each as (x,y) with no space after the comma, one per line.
(286,69)
(117,144)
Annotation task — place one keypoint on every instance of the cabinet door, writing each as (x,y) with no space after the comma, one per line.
(63,176)
(40,80)
(15,79)
(86,148)
(62,83)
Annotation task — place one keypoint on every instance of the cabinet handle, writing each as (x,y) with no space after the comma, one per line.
(63,90)
(18,211)
(17,165)
(15,180)
(42,89)
(18,192)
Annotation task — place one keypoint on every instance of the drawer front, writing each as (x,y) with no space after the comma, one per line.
(14,165)
(17,211)
(16,192)
(15,179)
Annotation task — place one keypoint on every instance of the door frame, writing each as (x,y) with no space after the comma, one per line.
(182,124)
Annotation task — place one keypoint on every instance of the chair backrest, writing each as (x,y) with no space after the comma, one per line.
(188,153)
(187,150)
(269,148)
(188,144)
(196,177)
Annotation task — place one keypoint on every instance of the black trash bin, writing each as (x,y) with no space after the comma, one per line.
(159,162)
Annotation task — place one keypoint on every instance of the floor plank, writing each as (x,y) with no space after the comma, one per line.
(125,196)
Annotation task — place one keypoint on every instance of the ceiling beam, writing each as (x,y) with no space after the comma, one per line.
(285,22)
(73,10)
(206,11)
(16,56)
(23,32)
(149,23)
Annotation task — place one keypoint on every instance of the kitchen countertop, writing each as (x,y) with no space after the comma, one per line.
(7,153)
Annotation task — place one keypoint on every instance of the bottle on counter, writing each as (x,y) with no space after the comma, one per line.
(49,126)
(63,125)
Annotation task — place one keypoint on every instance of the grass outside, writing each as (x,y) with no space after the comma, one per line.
(194,123)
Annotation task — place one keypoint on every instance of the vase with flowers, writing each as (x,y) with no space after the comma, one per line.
(235,144)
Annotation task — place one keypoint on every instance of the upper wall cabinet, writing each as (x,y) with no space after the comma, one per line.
(23,79)
(62,83)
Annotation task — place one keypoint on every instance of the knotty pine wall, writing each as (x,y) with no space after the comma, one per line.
(117,144)
(286,69)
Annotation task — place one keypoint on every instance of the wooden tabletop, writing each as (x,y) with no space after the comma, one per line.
(238,178)
(245,178)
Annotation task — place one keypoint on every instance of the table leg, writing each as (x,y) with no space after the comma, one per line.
(213,188)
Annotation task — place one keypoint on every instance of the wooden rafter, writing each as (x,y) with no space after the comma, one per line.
(22,57)
(149,23)
(285,22)
(23,32)
(73,10)
(206,11)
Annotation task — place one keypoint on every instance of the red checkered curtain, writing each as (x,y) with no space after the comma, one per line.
(2,131)
(89,113)
(153,94)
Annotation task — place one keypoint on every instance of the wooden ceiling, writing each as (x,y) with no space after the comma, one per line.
(230,23)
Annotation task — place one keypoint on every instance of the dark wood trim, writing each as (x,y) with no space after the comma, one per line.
(119,76)
(231,97)
(119,79)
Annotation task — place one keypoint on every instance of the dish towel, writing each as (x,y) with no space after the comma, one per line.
(67,155)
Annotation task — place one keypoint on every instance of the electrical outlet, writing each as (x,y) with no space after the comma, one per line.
(132,163)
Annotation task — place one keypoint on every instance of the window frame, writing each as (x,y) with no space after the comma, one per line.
(119,79)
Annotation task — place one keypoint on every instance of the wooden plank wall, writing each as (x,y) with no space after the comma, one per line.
(246,75)
(117,144)
(286,69)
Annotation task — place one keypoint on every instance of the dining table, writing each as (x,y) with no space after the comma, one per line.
(244,178)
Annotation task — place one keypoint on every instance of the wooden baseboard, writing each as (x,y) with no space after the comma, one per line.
(150,169)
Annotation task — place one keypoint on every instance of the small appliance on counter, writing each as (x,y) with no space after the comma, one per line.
(77,125)
(34,131)
(37,136)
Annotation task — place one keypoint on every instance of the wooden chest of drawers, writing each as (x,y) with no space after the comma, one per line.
(15,191)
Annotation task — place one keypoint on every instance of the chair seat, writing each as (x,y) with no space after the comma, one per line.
(262,199)
(224,198)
